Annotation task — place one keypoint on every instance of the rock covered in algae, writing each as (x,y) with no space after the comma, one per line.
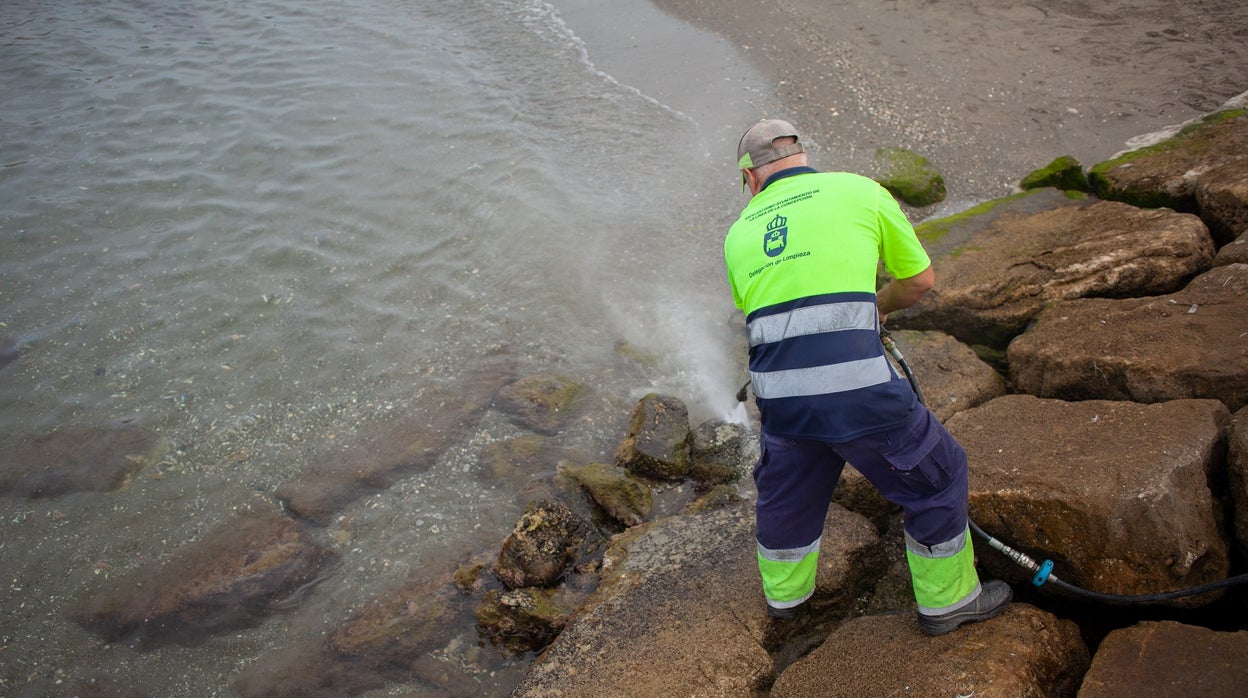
(909,176)
(1063,173)
(545,542)
(623,497)
(521,620)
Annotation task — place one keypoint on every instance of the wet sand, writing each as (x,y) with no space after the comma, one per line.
(986,90)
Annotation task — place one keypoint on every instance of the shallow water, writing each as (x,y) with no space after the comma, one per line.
(265,230)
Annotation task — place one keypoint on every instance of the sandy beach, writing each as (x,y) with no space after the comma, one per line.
(986,90)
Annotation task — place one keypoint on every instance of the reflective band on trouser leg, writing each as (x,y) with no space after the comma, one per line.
(943,575)
(788,575)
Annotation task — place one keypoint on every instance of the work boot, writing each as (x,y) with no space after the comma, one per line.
(994,596)
(791,612)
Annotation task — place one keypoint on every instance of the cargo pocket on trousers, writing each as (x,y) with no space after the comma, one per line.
(922,463)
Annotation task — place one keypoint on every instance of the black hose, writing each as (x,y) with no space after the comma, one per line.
(1043,571)
(1044,576)
(891,347)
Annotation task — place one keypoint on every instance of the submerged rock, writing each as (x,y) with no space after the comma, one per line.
(10,350)
(543,402)
(79,459)
(515,461)
(230,579)
(411,444)
(392,638)
(521,620)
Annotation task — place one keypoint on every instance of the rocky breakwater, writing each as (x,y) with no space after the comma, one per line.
(1090,353)
(1090,350)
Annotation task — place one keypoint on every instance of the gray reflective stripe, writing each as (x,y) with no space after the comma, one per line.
(788,554)
(821,380)
(968,600)
(949,548)
(831,317)
(789,604)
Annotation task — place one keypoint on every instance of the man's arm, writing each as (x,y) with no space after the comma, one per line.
(900,294)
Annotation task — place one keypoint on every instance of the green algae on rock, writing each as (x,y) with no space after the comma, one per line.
(909,176)
(623,497)
(1063,173)
(1174,172)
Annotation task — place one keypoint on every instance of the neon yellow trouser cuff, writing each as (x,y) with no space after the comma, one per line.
(788,575)
(943,575)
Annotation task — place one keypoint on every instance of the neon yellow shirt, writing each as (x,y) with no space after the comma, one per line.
(828,232)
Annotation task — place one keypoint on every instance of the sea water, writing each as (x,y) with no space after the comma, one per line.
(262,229)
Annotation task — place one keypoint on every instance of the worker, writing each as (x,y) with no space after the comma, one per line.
(802,260)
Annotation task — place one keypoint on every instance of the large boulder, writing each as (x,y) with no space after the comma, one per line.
(78,459)
(1203,169)
(681,611)
(1237,475)
(1188,344)
(1168,659)
(951,378)
(1117,494)
(950,375)
(1022,652)
(1032,251)
(1234,252)
(1222,195)
(230,579)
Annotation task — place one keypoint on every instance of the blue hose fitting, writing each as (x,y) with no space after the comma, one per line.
(1042,576)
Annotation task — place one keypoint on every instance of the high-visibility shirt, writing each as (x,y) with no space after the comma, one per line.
(801,261)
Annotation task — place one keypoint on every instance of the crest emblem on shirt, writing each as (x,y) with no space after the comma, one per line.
(776,237)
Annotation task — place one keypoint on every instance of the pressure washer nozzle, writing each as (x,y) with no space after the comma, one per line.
(743,392)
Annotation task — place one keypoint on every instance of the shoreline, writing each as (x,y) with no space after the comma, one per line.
(987,92)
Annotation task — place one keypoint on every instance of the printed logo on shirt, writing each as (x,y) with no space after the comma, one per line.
(776,237)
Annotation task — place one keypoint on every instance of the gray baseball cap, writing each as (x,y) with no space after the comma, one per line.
(757,146)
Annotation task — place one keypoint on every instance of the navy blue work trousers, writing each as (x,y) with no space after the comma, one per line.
(918,466)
